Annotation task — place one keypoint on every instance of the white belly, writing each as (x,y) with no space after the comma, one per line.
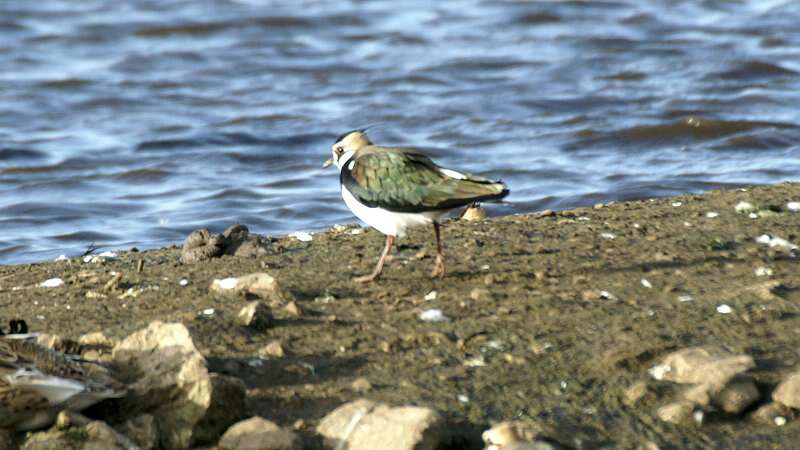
(388,222)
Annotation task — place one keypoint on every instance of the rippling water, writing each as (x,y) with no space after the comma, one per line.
(132,123)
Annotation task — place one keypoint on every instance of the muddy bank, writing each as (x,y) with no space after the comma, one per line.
(551,317)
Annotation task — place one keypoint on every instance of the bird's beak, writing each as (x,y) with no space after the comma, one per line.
(327,163)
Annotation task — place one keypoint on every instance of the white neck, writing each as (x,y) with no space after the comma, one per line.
(346,156)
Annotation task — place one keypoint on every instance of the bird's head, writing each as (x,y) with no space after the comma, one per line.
(346,145)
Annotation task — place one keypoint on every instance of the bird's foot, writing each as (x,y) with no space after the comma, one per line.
(438,268)
(367,278)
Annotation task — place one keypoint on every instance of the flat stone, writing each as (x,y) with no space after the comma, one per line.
(274,349)
(94,435)
(257,433)
(676,412)
(698,365)
(634,393)
(367,425)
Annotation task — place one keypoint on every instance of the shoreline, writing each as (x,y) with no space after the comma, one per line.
(564,310)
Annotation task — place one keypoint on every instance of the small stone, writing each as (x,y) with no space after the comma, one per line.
(97,339)
(361,385)
(512,434)
(224,284)
(273,349)
(302,236)
(737,396)
(142,430)
(743,207)
(724,309)
(712,214)
(256,315)
(473,213)
(646,283)
(788,391)
(676,412)
(257,433)
(634,393)
(433,315)
(293,310)
(480,294)
(698,365)
(430,296)
(68,419)
(793,206)
(763,272)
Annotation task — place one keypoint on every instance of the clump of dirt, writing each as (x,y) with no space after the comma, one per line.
(552,317)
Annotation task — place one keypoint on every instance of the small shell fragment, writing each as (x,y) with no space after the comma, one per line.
(724,309)
(712,214)
(52,283)
(226,283)
(646,283)
(302,236)
(430,296)
(433,315)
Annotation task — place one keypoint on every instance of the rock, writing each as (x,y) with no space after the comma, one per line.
(361,385)
(259,284)
(273,349)
(142,430)
(95,435)
(738,395)
(634,393)
(256,315)
(480,294)
(698,365)
(506,434)
(366,425)
(676,412)
(473,213)
(96,339)
(257,433)
(293,310)
(788,391)
(769,412)
(169,379)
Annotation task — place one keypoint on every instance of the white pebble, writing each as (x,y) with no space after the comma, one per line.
(607,295)
(485,267)
(227,283)
(183,282)
(793,206)
(61,258)
(677,204)
(208,312)
(463,398)
(108,254)
(744,207)
(356,231)
(698,416)
(255,362)
(685,298)
(477,361)
(779,421)
(646,283)
(563,385)
(753,216)
(40,317)
(774,241)
(763,272)
(430,296)
(433,315)
(687,224)
(52,283)
(637,226)
(659,371)
(712,214)
(608,235)
(301,236)
(583,219)
(724,309)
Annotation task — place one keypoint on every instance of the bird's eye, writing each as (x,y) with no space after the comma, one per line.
(339,150)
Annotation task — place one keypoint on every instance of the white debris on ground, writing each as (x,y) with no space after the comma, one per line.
(302,236)
(712,214)
(61,258)
(793,206)
(430,296)
(607,295)
(356,231)
(677,204)
(226,283)
(646,283)
(685,298)
(433,315)
(763,271)
(52,283)
(743,207)
(208,312)
(183,282)
(463,398)
(774,241)
(608,235)
(724,309)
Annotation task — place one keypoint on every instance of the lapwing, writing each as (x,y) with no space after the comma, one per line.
(393,189)
(36,382)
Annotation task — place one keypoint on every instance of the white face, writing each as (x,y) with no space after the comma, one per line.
(344,148)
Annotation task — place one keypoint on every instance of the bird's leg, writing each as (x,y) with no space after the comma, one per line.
(379,267)
(438,269)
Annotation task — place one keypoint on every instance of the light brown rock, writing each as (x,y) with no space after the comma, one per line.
(769,412)
(168,378)
(361,385)
(634,393)
(788,391)
(737,395)
(256,315)
(511,433)
(95,435)
(274,349)
(698,365)
(257,433)
(366,425)
(473,213)
(676,412)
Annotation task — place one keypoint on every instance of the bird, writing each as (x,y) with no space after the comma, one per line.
(393,189)
(37,382)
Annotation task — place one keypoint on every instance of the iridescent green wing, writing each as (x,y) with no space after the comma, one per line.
(408,181)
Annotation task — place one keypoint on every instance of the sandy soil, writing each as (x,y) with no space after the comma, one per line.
(555,305)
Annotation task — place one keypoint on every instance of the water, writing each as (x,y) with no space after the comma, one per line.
(133,123)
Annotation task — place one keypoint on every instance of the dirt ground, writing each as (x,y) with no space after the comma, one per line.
(551,316)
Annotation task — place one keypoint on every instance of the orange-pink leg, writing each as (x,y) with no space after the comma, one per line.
(379,267)
(438,269)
